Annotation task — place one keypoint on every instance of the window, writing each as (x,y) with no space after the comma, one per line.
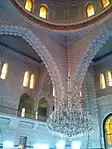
(109,78)
(26,79)
(32,81)
(108,131)
(36,115)
(23,112)
(105,3)
(90,10)
(102,81)
(4,71)
(29,5)
(54,94)
(43,11)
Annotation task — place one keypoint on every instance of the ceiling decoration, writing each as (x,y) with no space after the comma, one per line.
(69,120)
(62,26)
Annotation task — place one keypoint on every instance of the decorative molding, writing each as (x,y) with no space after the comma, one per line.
(63,27)
(95,45)
(42,51)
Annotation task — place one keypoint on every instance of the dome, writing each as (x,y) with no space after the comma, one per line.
(64,14)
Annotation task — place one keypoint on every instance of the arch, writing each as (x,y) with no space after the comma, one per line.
(42,109)
(4,71)
(25,108)
(42,51)
(90,11)
(109,78)
(105,3)
(26,79)
(102,81)
(107,130)
(91,50)
(29,5)
(43,11)
(32,81)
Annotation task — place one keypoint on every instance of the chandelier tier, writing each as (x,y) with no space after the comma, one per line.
(70,120)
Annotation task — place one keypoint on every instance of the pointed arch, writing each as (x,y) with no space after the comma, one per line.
(26,79)
(107,129)
(29,5)
(42,51)
(42,109)
(4,71)
(105,3)
(25,107)
(102,81)
(90,51)
(32,81)
(43,11)
(90,10)
(109,78)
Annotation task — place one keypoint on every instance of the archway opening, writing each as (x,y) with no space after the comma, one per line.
(25,108)
(42,109)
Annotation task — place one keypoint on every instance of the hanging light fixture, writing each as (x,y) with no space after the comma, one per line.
(70,120)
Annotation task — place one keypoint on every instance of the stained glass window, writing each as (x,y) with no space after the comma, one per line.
(109,78)
(29,5)
(4,71)
(32,81)
(108,131)
(26,79)
(105,3)
(43,11)
(102,81)
(90,10)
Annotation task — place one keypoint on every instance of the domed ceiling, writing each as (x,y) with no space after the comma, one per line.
(64,14)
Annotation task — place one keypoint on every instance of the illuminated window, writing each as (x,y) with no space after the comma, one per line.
(23,112)
(102,81)
(105,3)
(108,131)
(109,78)
(90,10)
(26,79)
(43,11)
(0,66)
(36,115)
(4,71)
(54,94)
(29,5)
(32,81)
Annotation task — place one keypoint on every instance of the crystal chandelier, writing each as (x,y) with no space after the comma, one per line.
(70,120)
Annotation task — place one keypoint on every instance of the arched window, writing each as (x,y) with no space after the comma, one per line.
(54,94)
(36,115)
(108,132)
(109,78)
(23,112)
(102,81)
(32,81)
(4,71)
(105,3)
(43,11)
(29,5)
(26,79)
(90,10)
